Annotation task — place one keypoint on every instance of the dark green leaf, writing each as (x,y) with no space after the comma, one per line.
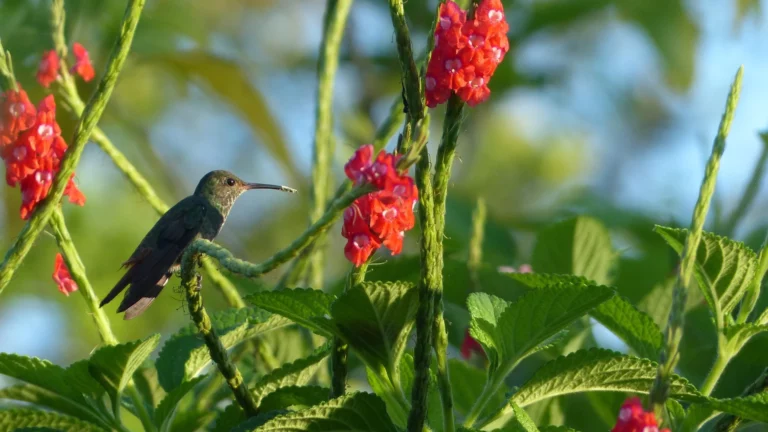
(41,373)
(375,320)
(753,407)
(114,365)
(294,396)
(292,374)
(14,419)
(46,399)
(467,383)
(579,246)
(633,326)
(305,307)
(508,334)
(166,410)
(356,412)
(598,370)
(184,355)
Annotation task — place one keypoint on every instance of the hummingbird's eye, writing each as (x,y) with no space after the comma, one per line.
(231,181)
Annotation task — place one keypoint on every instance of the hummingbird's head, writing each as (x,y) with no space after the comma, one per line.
(222,188)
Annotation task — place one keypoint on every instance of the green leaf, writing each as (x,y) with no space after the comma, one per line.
(634,327)
(166,410)
(598,370)
(467,383)
(521,422)
(298,373)
(184,355)
(724,267)
(227,80)
(580,246)
(294,396)
(17,419)
(352,413)
(229,418)
(305,307)
(41,373)
(519,328)
(738,335)
(114,365)
(557,429)
(375,320)
(46,399)
(753,407)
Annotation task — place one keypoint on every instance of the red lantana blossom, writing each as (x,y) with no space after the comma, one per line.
(62,277)
(470,345)
(382,217)
(83,66)
(466,52)
(16,114)
(48,69)
(34,156)
(632,418)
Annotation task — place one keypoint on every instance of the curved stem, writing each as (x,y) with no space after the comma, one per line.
(247,269)
(336,14)
(191,284)
(77,270)
(91,115)
(674,331)
(721,362)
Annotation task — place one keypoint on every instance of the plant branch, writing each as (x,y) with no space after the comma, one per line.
(191,284)
(336,14)
(77,270)
(674,331)
(91,115)
(721,362)
(226,259)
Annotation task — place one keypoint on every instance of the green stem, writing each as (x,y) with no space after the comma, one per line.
(383,134)
(411,78)
(475,258)
(77,270)
(226,259)
(336,13)
(191,284)
(490,388)
(340,353)
(6,70)
(674,331)
(83,129)
(750,193)
(428,281)
(721,362)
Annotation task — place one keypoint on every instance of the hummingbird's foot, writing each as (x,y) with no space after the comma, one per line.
(199,278)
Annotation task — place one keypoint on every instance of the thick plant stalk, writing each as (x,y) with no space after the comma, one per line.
(226,259)
(191,284)
(91,115)
(336,13)
(674,331)
(427,286)
(77,270)
(750,193)
(340,350)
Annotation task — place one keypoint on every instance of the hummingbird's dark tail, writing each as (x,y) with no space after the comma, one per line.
(134,307)
(121,284)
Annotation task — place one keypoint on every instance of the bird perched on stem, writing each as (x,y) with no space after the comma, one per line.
(158,256)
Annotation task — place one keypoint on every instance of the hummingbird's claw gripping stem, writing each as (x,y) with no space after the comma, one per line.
(199,278)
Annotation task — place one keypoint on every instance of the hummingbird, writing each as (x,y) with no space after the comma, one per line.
(158,256)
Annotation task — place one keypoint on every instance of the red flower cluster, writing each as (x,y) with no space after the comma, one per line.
(470,345)
(62,277)
(48,70)
(466,53)
(32,148)
(632,418)
(379,218)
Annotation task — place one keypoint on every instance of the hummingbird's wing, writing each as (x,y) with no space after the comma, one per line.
(151,264)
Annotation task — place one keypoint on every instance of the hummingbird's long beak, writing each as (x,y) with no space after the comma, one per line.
(250,186)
